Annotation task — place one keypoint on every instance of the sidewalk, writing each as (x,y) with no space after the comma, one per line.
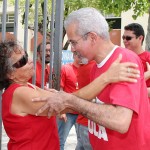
(71,140)
(70,143)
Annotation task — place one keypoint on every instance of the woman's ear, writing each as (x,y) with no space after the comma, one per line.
(11,75)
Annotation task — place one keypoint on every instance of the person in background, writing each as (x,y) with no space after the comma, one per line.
(39,64)
(83,78)
(133,38)
(119,120)
(68,84)
(25,130)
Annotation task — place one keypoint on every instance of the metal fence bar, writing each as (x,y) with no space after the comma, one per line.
(3,38)
(0,119)
(26,25)
(4,19)
(58,41)
(55,41)
(16,18)
(52,45)
(44,43)
(35,39)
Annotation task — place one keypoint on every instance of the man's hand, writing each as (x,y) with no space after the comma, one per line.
(118,71)
(63,117)
(56,103)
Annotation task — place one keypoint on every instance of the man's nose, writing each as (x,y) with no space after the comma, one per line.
(72,49)
(48,51)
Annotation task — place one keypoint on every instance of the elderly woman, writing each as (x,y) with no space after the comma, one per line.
(26,130)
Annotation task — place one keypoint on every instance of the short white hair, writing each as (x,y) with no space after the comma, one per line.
(88,20)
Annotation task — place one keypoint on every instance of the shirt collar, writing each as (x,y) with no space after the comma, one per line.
(107,57)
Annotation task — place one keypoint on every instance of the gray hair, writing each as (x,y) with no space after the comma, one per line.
(88,20)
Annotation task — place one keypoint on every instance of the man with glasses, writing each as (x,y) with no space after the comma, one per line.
(119,120)
(39,64)
(133,39)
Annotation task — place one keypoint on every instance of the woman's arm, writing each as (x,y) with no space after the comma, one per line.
(22,101)
(117,72)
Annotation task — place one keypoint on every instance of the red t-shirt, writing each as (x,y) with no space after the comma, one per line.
(145,57)
(83,77)
(130,95)
(28,132)
(69,78)
(39,74)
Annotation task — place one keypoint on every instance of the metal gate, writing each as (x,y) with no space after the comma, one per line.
(56,31)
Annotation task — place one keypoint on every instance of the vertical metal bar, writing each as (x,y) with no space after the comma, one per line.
(26,25)
(58,40)
(4,19)
(3,38)
(16,18)
(44,43)
(0,119)
(35,39)
(52,45)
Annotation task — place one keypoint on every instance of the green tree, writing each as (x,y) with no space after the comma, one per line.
(106,6)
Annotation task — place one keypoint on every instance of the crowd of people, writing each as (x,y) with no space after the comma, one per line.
(106,97)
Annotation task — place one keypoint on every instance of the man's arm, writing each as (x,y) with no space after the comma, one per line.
(148,90)
(113,117)
(117,72)
(147,73)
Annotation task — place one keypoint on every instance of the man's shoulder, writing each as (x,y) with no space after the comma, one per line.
(38,64)
(126,53)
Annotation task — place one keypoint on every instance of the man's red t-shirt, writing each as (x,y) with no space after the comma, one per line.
(145,57)
(69,78)
(39,74)
(130,95)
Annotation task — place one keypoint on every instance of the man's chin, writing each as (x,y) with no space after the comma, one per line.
(127,46)
(47,62)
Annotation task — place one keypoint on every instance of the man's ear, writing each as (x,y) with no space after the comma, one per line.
(93,36)
(141,37)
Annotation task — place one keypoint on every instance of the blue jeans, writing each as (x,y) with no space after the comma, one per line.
(83,142)
(65,127)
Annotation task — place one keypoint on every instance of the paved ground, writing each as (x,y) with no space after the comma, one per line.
(70,144)
(71,140)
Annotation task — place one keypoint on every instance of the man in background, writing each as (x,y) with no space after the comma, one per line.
(83,78)
(68,84)
(133,39)
(39,64)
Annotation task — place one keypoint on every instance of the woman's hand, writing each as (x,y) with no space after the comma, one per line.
(126,71)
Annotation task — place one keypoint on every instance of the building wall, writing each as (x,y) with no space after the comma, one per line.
(127,18)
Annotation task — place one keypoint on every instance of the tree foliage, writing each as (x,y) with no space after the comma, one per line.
(110,6)
(106,6)
(114,7)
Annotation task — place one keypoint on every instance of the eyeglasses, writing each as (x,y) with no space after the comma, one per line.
(46,50)
(22,61)
(127,38)
(73,43)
